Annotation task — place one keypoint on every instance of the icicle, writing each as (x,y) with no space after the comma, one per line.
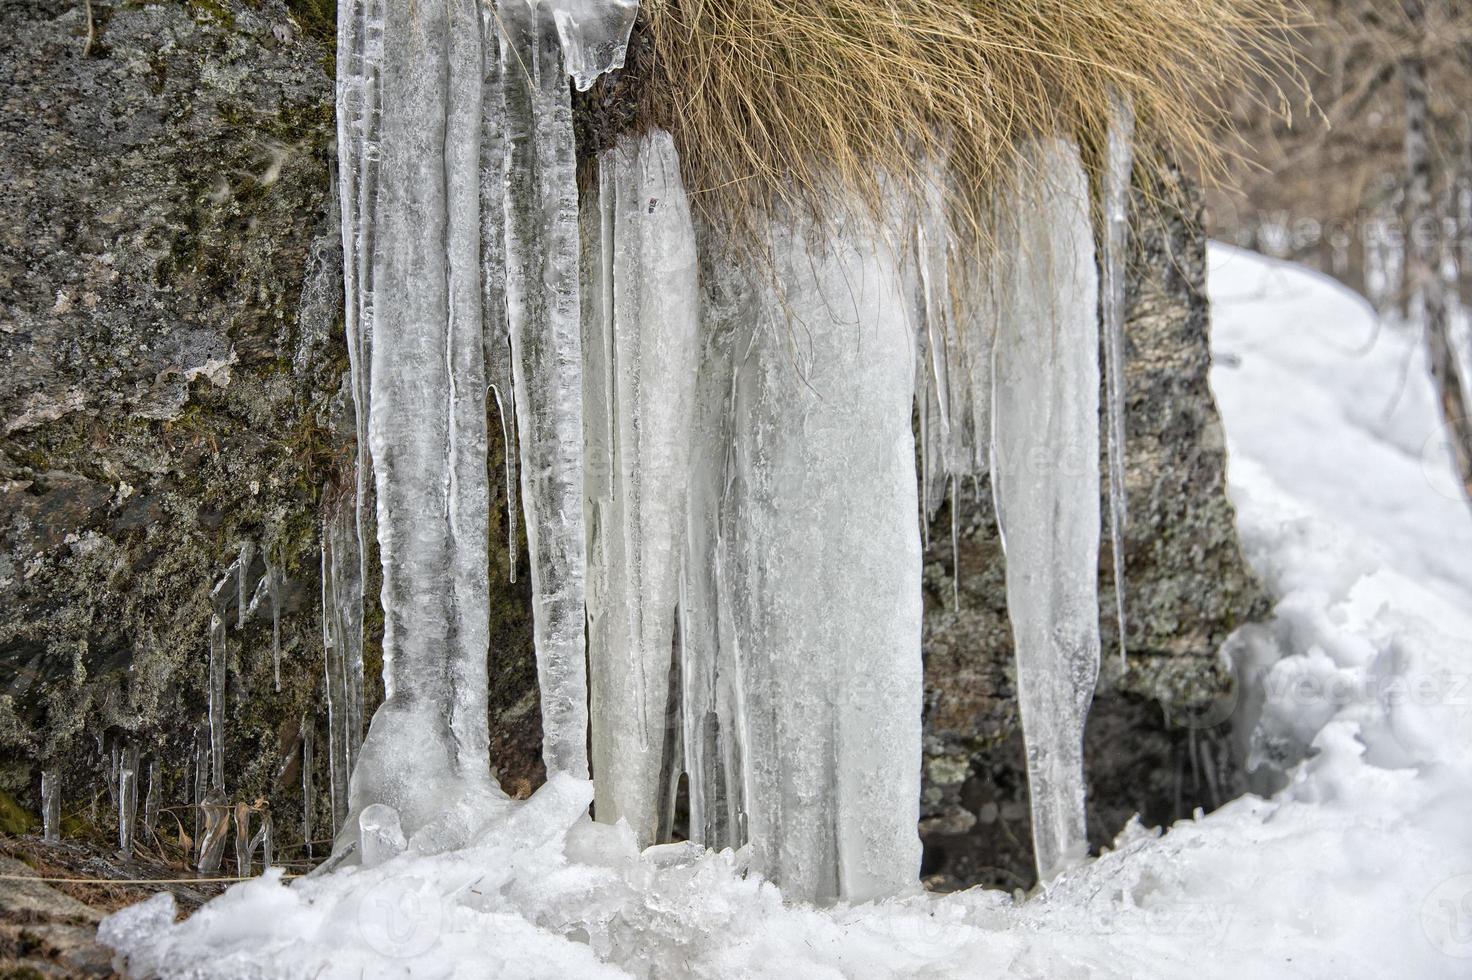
(594,35)
(127,799)
(382,837)
(644,344)
(153,801)
(51,804)
(712,711)
(333,688)
(955,547)
(114,770)
(242,581)
(309,793)
(216,819)
(497,337)
(242,839)
(543,302)
(262,839)
(201,780)
(427,748)
(818,567)
(1046,397)
(273,588)
(359,96)
(1116,200)
(216,683)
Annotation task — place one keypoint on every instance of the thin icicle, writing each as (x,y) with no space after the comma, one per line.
(1116,201)
(273,588)
(242,581)
(497,337)
(359,95)
(215,681)
(51,804)
(543,301)
(646,348)
(127,799)
(309,791)
(153,802)
(1046,398)
(242,839)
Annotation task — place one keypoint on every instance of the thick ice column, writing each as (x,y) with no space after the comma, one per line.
(1115,206)
(823,559)
(426,421)
(641,354)
(1046,480)
(543,302)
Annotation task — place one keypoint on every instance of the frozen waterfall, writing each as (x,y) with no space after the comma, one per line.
(714,455)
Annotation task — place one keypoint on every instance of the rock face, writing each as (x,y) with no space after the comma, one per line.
(169,364)
(172,386)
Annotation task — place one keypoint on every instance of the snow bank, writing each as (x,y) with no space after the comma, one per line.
(1359,866)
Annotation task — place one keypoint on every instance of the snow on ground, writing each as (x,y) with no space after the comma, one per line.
(1359,865)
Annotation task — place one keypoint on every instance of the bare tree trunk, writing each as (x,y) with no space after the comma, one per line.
(1424,253)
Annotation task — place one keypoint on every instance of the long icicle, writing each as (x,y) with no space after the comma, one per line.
(1119,165)
(1046,397)
(542,293)
(645,347)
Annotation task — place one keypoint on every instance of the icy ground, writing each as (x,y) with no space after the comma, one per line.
(1361,866)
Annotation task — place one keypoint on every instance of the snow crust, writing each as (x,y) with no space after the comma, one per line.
(1355,705)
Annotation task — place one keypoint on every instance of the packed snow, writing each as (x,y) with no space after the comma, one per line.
(1358,865)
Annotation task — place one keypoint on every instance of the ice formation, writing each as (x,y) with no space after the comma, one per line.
(543,304)
(1045,476)
(640,349)
(1115,207)
(342,644)
(802,642)
(594,35)
(127,799)
(426,400)
(51,803)
(715,462)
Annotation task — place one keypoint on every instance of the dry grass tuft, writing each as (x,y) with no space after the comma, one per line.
(803,104)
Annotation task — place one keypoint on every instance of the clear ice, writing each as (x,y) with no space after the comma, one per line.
(426,397)
(641,353)
(805,570)
(1115,200)
(543,303)
(1045,476)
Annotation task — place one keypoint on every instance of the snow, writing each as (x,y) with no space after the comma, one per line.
(1358,866)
